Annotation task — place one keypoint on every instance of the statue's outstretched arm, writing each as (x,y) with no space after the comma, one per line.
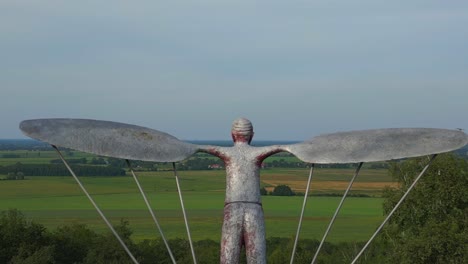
(376,145)
(217,151)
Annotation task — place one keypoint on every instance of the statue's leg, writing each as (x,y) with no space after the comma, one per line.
(231,239)
(254,234)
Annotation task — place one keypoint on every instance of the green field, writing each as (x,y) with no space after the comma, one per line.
(55,201)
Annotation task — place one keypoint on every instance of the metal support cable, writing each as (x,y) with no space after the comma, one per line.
(185,215)
(395,207)
(336,212)
(302,212)
(151,212)
(96,206)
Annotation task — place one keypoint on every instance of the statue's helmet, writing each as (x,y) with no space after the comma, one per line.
(242,130)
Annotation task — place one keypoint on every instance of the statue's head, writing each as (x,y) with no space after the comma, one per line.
(242,130)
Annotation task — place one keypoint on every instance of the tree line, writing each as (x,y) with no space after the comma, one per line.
(431,226)
(23,241)
(23,144)
(59,170)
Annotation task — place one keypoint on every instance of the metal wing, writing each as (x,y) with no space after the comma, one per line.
(109,139)
(377,145)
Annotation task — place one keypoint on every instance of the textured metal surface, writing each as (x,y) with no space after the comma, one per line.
(109,139)
(243,222)
(243,213)
(377,145)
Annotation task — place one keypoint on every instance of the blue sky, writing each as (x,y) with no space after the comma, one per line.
(296,69)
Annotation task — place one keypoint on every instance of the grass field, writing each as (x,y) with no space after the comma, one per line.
(55,201)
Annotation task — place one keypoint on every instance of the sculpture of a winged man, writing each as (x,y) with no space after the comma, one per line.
(243,222)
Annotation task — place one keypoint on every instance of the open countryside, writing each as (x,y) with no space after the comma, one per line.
(57,200)
(37,184)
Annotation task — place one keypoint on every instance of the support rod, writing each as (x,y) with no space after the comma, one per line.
(302,212)
(151,211)
(336,212)
(394,208)
(185,215)
(96,206)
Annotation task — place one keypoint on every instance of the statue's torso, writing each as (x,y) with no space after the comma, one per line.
(242,174)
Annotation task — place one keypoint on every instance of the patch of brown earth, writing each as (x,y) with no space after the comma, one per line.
(300,185)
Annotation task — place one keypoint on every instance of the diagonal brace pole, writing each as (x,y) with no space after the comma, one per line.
(394,208)
(336,211)
(185,215)
(96,206)
(306,195)
(151,211)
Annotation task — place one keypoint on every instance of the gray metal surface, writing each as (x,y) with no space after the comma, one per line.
(109,139)
(243,214)
(377,145)
(139,143)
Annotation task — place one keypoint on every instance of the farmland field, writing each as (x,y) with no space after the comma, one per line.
(55,201)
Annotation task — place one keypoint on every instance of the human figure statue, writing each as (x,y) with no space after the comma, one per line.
(243,214)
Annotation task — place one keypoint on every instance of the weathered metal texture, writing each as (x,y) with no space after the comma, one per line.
(243,214)
(377,145)
(139,143)
(243,224)
(109,139)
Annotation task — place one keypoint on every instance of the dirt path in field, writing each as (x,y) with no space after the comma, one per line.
(300,185)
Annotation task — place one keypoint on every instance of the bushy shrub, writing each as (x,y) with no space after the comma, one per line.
(282,190)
